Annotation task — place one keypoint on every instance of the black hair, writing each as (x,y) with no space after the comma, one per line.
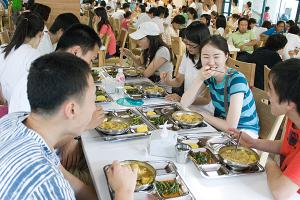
(193,12)
(155,42)
(196,32)
(294,30)
(160,11)
(28,25)
(214,13)
(236,16)
(267,24)
(29,5)
(81,35)
(236,2)
(125,6)
(243,19)
(184,9)
(103,4)
(63,21)
(53,79)
(221,22)
(249,4)
(290,22)
(208,18)
(166,14)
(280,22)
(216,41)
(42,10)
(127,14)
(276,42)
(285,77)
(267,8)
(101,12)
(153,11)
(179,19)
(252,21)
(143,8)
(108,8)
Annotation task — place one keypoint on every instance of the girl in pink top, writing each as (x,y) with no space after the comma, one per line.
(266,16)
(104,28)
(126,20)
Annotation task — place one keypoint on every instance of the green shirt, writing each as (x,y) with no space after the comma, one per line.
(238,39)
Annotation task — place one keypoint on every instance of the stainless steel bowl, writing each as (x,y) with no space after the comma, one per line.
(150,169)
(131,73)
(112,131)
(177,114)
(235,165)
(148,93)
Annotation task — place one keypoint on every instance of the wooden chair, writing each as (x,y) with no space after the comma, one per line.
(269,124)
(178,49)
(248,69)
(103,50)
(131,42)
(118,60)
(116,27)
(4,37)
(233,54)
(266,77)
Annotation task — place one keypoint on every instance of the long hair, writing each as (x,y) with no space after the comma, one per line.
(28,25)
(101,12)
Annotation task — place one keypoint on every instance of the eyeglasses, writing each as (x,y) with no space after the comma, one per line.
(191,45)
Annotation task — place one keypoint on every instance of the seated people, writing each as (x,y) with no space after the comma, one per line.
(230,93)
(125,22)
(143,16)
(195,34)
(291,49)
(173,29)
(192,15)
(156,56)
(268,55)
(279,29)
(104,29)
(205,19)
(243,39)
(283,179)
(255,29)
(220,25)
(59,109)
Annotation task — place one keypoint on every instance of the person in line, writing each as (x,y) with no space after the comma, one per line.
(126,20)
(266,16)
(143,17)
(194,34)
(156,56)
(243,39)
(284,98)
(104,29)
(119,14)
(235,7)
(67,109)
(229,90)
(247,12)
(272,50)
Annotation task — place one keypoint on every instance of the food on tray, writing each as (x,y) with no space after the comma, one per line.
(154,89)
(114,125)
(168,189)
(95,75)
(101,98)
(131,72)
(144,174)
(189,117)
(241,156)
(202,157)
(99,92)
(143,128)
(136,120)
(192,143)
(160,120)
(150,113)
(128,87)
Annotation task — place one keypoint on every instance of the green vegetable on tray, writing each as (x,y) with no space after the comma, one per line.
(100,92)
(136,120)
(95,75)
(202,157)
(158,120)
(166,188)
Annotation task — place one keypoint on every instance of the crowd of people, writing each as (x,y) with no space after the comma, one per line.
(46,83)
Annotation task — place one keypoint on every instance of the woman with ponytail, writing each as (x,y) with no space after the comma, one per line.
(17,56)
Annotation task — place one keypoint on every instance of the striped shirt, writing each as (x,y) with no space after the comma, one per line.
(29,169)
(237,83)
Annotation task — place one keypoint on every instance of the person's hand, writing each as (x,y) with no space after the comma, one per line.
(126,52)
(242,47)
(173,97)
(121,178)
(291,53)
(164,77)
(70,152)
(97,118)
(206,72)
(245,140)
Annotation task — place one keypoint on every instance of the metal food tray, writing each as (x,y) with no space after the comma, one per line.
(218,169)
(115,69)
(131,134)
(165,112)
(107,96)
(97,78)
(165,170)
(139,87)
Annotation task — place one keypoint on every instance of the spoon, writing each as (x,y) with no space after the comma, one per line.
(238,142)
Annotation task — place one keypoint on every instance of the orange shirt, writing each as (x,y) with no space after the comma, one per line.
(290,153)
(112,44)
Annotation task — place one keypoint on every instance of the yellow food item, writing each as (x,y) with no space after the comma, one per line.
(144,175)
(101,98)
(154,89)
(128,87)
(188,118)
(142,128)
(193,145)
(114,125)
(151,113)
(240,156)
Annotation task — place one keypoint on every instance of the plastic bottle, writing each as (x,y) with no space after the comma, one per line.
(120,79)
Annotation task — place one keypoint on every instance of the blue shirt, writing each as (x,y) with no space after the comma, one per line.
(29,169)
(237,83)
(272,31)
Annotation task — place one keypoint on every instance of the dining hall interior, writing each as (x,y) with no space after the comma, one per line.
(150,99)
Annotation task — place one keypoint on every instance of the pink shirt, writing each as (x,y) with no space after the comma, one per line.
(266,16)
(124,23)
(105,29)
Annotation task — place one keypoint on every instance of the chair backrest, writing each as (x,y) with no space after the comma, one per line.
(248,69)
(4,37)
(116,27)
(266,76)
(178,49)
(123,37)
(132,44)
(103,50)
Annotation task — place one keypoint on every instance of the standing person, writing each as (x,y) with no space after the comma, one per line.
(266,16)
(235,7)
(103,28)
(243,39)
(17,55)
(66,110)
(247,12)
(284,96)
(237,108)
(194,34)
(213,19)
(291,50)
(156,56)
(192,15)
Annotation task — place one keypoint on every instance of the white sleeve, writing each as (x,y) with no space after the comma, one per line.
(182,65)
(163,52)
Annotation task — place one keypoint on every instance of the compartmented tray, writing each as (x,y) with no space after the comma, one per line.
(97,75)
(204,155)
(168,184)
(157,115)
(102,96)
(129,72)
(143,90)
(139,126)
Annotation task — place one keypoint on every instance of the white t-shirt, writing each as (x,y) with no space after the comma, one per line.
(293,41)
(160,23)
(193,5)
(257,31)
(144,17)
(45,45)
(219,31)
(14,66)
(119,14)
